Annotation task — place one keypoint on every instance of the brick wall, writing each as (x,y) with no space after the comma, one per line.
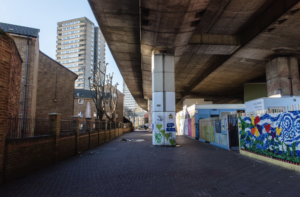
(25,155)
(56,88)
(32,73)
(10,75)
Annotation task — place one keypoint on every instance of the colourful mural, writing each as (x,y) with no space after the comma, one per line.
(274,135)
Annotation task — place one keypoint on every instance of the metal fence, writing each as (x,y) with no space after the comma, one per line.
(82,126)
(41,126)
(103,125)
(113,125)
(66,126)
(29,127)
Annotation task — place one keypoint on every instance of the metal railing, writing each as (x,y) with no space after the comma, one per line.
(66,126)
(31,127)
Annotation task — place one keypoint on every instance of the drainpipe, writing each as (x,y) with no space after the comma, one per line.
(25,84)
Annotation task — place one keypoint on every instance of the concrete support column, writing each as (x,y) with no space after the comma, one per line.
(282,77)
(163,100)
(150,115)
(55,129)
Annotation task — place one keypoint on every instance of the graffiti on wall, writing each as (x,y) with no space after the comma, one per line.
(275,135)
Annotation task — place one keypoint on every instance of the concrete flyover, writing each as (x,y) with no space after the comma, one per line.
(218,45)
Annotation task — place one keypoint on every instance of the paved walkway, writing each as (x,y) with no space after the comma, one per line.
(120,168)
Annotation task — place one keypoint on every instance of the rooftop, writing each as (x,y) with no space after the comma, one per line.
(20,30)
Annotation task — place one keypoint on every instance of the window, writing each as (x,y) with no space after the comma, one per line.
(106,103)
(117,105)
(80,114)
(71,46)
(70,32)
(70,51)
(68,28)
(92,48)
(92,63)
(92,44)
(92,53)
(69,61)
(80,101)
(95,114)
(69,56)
(81,125)
(116,115)
(70,42)
(71,23)
(99,52)
(92,58)
(70,37)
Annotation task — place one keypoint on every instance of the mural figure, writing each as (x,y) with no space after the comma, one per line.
(276,135)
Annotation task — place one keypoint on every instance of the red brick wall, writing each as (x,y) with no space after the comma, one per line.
(10,75)
(54,82)
(67,147)
(26,155)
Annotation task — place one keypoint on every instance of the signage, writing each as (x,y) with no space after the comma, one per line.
(171,129)
(170,125)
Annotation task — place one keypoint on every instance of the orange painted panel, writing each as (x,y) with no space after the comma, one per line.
(193,128)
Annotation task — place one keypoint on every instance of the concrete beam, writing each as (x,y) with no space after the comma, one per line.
(269,16)
(212,39)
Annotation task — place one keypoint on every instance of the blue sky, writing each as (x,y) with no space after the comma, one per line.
(44,15)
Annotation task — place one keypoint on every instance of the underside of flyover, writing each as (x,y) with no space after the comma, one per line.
(219,45)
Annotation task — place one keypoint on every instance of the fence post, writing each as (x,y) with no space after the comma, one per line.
(98,128)
(76,131)
(110,135)
(55,130)
(117,127)
(89,126)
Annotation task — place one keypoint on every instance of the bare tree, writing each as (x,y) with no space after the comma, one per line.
(103,92)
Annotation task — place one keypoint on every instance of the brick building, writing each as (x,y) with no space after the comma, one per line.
(55,92)
(10,76)
(27,42)
(83,97)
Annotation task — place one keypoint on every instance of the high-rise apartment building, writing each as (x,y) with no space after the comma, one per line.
(80,46)
(132,110)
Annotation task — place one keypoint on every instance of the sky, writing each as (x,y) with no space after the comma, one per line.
(44,15)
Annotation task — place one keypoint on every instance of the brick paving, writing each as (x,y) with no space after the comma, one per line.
(119,168)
